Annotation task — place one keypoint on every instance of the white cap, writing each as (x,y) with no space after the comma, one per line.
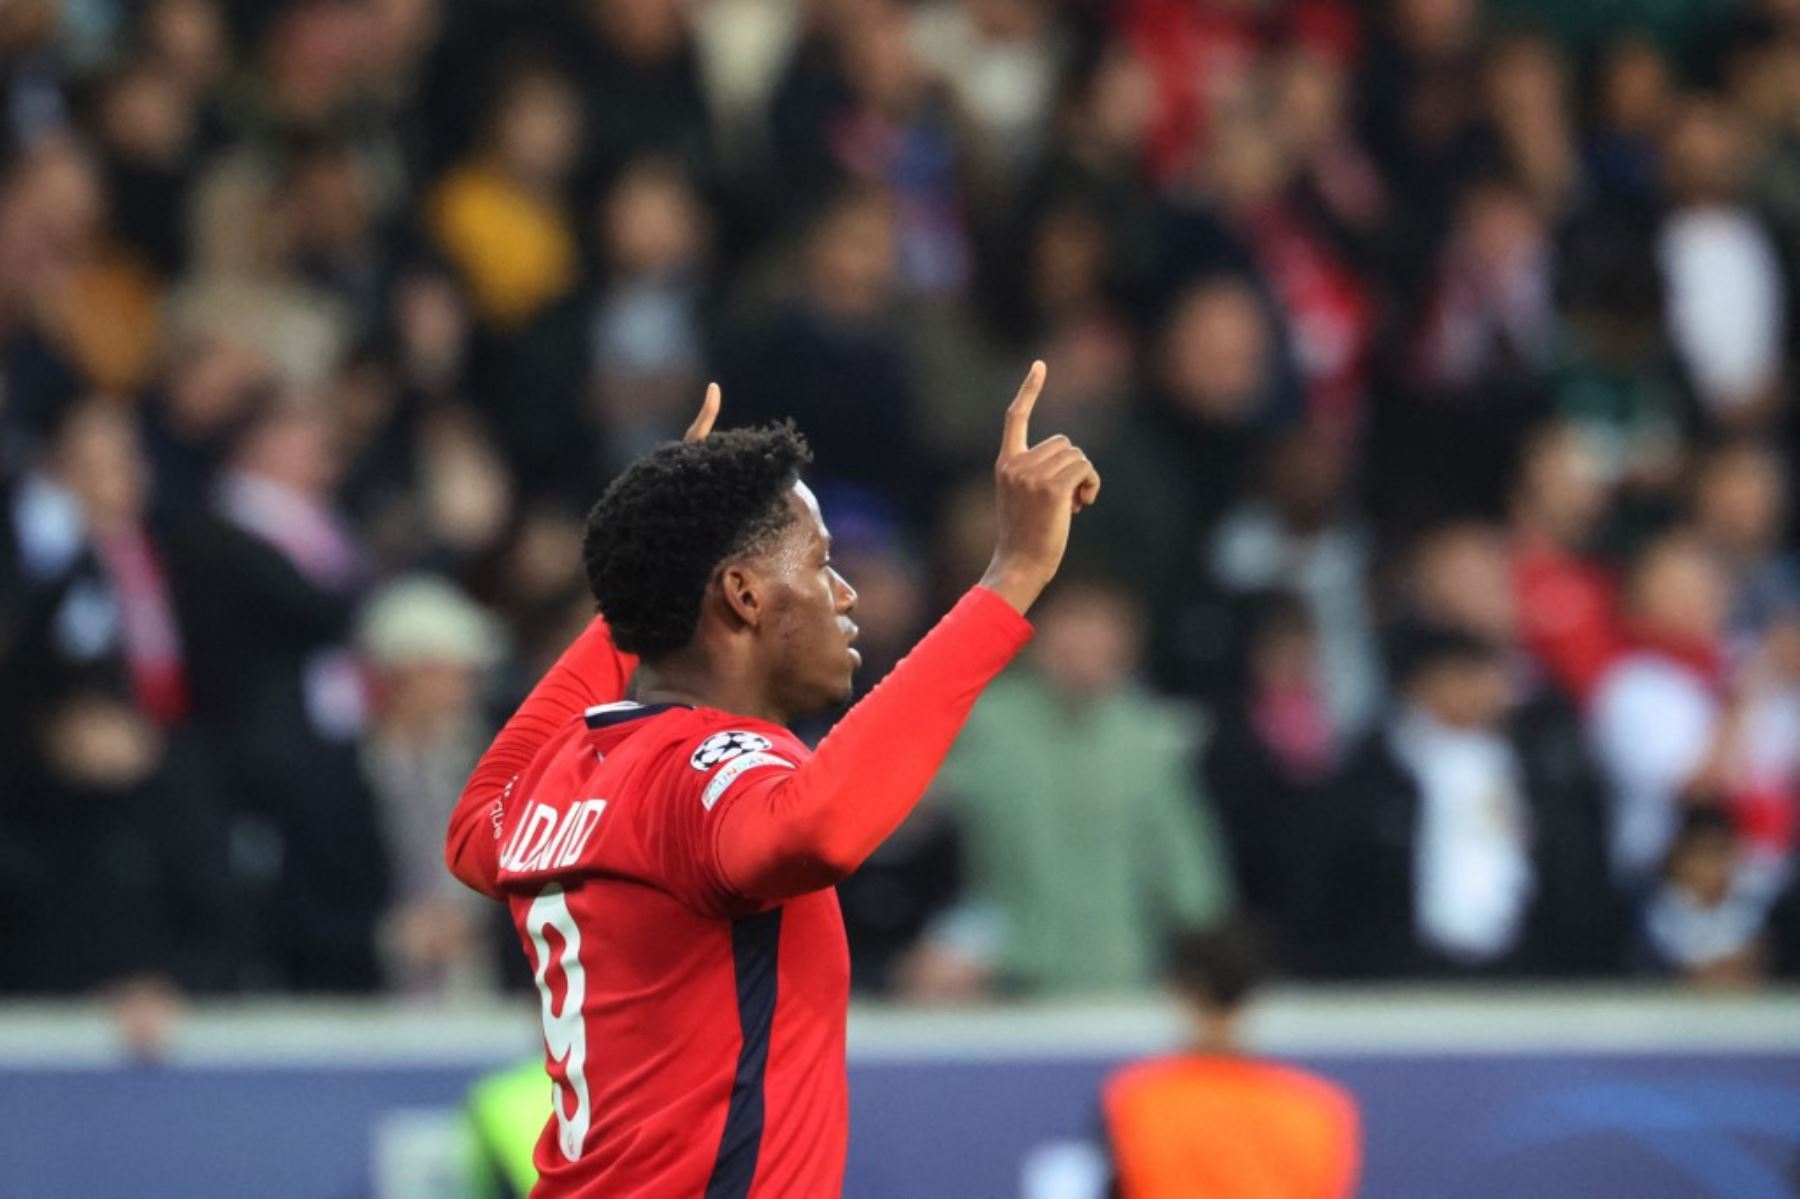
(424,618)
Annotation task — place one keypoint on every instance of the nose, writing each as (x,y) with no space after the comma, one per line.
(845,594)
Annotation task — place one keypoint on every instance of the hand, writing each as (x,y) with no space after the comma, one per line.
(939,974)
(1038,490)
(709,412)
(100,743)
(146,1009)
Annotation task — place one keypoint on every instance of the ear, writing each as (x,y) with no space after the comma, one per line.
(741,592)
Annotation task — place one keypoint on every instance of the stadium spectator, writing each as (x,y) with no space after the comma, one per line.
(1438,843)
(832,357)
(1633,94)
(1704,921)
(1459,576)
(1293,532)
(1764,798)
(1216,1120)
(1740,510)
(274,577)
(1727,298)
(1272,743)
(1325,287)
(109,792)
(857,107)
(1565,598)
(1670,678)
(429,649)
(1217,389)
(1069,771)
(502,216)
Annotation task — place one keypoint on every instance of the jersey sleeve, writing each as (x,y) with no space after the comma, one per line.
(700,780)
(785,834)
(591,671)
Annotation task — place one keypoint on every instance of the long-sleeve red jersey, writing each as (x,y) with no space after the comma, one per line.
(670,871)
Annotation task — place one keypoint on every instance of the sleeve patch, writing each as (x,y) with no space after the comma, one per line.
(737,766)
(722,747)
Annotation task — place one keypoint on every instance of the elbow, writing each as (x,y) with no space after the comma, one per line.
(831,848)
(463,862)
(810,859)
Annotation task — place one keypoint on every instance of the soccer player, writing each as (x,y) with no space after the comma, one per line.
(670,859)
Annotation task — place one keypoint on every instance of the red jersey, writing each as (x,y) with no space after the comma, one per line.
(670,872)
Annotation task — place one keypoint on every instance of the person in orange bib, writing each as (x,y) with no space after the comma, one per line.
(1215,1123)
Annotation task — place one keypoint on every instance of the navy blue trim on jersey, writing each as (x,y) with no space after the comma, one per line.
(754,944)
(611,714)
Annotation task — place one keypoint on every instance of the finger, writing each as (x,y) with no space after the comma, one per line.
(1087,491)
(1073,473)
(1014,437)
(1050,447)
(709,412)
(1048,461)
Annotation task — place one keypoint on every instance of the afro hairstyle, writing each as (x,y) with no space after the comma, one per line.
(664,525)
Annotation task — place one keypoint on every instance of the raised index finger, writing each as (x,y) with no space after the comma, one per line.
(709,412)
(1014,437)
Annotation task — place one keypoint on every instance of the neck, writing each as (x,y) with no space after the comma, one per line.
(683,680)
(1212,1033)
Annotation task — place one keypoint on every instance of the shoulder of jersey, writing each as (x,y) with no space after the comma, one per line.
(726,754)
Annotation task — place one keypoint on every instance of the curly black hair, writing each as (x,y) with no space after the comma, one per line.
(655,537)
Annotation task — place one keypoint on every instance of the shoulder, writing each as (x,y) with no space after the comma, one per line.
(1150,1074)
(708,750)
(1643,680)
(1165,1080)
(710,739)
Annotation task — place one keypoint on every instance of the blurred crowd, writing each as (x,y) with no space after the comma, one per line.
(1441,616)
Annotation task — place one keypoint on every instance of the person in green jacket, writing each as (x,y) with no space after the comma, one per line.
(1086,839)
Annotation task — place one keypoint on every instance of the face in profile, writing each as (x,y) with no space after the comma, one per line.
(809,635)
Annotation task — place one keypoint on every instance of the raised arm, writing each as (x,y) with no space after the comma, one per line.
(591,671)
(796,831)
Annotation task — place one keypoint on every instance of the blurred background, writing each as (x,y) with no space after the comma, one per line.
(1440,623)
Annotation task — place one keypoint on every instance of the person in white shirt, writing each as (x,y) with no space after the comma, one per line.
(1660,725)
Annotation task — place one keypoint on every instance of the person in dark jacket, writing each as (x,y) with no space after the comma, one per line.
(273,579)
(1443,846)
(114,863)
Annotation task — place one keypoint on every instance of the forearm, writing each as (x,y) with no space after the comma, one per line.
(591,671)
(807,829)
